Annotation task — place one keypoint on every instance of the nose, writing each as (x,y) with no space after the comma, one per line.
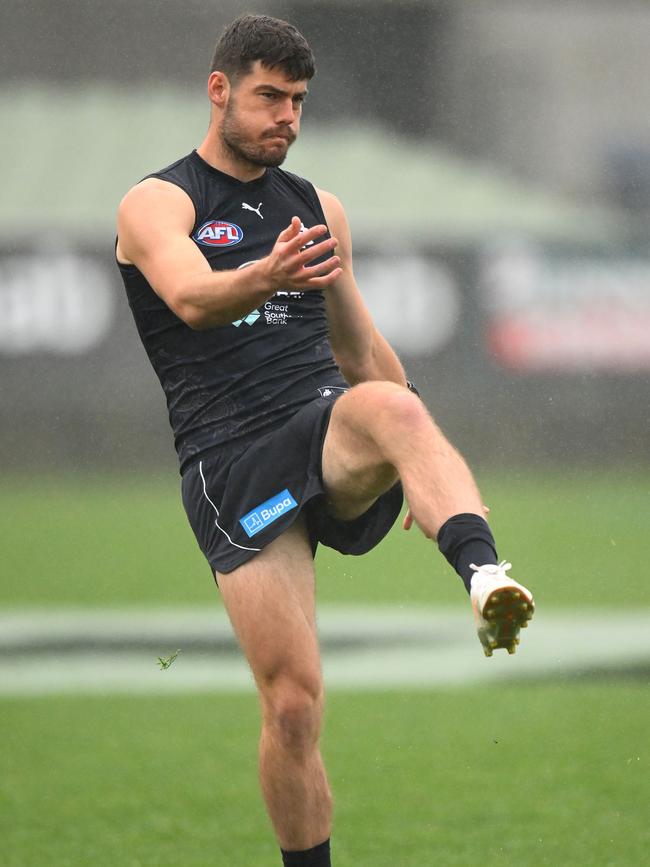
(287,111)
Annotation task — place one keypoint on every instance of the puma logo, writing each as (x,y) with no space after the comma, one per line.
(247,207)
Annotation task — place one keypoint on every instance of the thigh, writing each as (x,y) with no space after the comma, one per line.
(271,604)
(354,472)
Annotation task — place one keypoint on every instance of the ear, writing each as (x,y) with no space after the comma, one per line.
(218,89)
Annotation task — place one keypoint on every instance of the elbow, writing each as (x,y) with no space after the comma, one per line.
(183,307)
(196,317)
(191,315)
(182,302)
(354,370)
(355,357)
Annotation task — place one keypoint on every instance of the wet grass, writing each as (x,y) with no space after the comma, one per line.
(538,774)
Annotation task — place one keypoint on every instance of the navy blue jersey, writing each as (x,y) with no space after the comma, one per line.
(230,384)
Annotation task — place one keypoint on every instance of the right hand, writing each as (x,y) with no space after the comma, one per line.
(287,265)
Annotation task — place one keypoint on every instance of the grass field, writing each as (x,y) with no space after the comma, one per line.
(537,773)
(526,775)
(576,538)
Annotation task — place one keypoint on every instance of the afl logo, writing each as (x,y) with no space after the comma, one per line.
(217,233)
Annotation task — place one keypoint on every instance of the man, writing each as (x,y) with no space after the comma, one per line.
(292,417)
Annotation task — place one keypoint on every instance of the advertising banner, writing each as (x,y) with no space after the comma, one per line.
(563,311)
(519,352)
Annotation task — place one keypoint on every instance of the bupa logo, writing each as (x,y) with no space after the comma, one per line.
(218,233)
(267,512)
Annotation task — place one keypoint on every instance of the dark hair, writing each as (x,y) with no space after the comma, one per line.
(259,37)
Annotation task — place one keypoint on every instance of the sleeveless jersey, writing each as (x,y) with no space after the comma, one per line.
(231,384)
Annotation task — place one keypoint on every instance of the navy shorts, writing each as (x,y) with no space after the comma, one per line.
(239,504)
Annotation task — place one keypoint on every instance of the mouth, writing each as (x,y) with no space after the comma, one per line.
(278,136)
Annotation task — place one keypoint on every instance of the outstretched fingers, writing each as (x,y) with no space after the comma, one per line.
(321,282)
(312,278)
(321,267)
(296,249)
(292,230)
(295,239)
(315,251)
(303,270)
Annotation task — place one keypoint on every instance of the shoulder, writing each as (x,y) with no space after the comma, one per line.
(172,186)
(329,200)
(151,211)
(333,210)
(155,194)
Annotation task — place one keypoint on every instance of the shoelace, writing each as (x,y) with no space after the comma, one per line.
(491,568)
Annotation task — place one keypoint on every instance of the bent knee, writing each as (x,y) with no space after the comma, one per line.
(386,401)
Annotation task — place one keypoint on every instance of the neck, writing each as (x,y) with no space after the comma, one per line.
(218,155)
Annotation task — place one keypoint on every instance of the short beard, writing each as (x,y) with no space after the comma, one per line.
(244,150)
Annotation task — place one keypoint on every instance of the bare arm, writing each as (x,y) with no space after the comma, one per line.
(154,222)
(360,350)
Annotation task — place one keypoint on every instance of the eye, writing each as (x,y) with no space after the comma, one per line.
(269,95)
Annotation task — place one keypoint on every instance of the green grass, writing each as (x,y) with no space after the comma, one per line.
(537,774)
(577,538)
(547,774)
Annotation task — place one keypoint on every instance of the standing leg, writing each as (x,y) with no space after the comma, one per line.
(270,602)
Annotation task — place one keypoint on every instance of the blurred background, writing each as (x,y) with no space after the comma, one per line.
(494,160)
(493,157)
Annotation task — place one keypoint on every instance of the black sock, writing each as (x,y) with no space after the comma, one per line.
(319,856)
(465,539)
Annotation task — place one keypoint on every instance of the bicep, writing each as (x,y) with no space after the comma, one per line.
(154,224)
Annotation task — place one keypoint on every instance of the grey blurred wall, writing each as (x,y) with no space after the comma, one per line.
(555,91)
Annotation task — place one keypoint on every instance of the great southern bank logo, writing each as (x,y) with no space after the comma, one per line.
(218,233)
(267,512)
(251,319)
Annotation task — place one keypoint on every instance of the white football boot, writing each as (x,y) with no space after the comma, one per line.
(501,607)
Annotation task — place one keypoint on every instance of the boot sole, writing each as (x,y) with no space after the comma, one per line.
(505,612)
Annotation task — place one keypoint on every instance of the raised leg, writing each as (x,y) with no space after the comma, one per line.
(379,431)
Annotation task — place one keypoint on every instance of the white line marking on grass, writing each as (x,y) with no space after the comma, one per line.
(46,652)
